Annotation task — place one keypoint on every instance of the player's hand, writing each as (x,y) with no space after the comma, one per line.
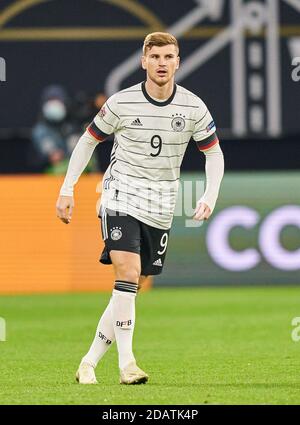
(64,208)
(202,211)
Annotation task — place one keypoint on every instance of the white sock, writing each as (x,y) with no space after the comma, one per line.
(103,339)
(123,312)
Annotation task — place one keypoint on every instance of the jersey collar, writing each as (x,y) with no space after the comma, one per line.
(154,102)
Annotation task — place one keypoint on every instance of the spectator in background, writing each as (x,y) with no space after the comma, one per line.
(60,125)
(54,136)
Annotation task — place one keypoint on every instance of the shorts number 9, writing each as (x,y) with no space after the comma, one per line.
(163,244)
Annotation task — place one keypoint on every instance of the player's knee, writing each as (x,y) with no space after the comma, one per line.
(127,273)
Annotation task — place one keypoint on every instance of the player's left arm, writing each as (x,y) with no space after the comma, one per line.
(207,142)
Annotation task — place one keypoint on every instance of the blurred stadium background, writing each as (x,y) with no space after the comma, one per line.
(242,58)
(239,56)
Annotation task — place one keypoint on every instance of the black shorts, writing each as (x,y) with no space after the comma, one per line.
(122,232)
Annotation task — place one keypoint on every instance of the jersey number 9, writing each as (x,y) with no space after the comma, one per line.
(156,144)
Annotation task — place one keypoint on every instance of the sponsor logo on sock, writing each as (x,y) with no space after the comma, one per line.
(157,263)
(136,122)
(104,338)
(124,323)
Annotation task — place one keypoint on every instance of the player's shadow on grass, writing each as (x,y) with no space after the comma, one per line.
(200,385)
(259,385)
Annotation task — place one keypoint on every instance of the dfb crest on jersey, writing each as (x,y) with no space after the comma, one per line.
(178,123)
(116,233)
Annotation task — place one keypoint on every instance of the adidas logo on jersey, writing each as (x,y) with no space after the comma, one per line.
(136,122)
(157,263)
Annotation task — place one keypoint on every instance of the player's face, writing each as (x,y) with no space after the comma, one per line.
(160,63)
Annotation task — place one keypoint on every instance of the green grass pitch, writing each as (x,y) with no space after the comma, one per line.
(199,346)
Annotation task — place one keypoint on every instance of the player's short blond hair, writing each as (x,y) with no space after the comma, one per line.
(159,39)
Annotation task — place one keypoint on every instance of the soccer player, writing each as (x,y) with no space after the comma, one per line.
(152,123)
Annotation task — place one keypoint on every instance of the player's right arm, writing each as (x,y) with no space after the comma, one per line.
(104,124)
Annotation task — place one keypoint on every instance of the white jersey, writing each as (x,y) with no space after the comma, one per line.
(150,141)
